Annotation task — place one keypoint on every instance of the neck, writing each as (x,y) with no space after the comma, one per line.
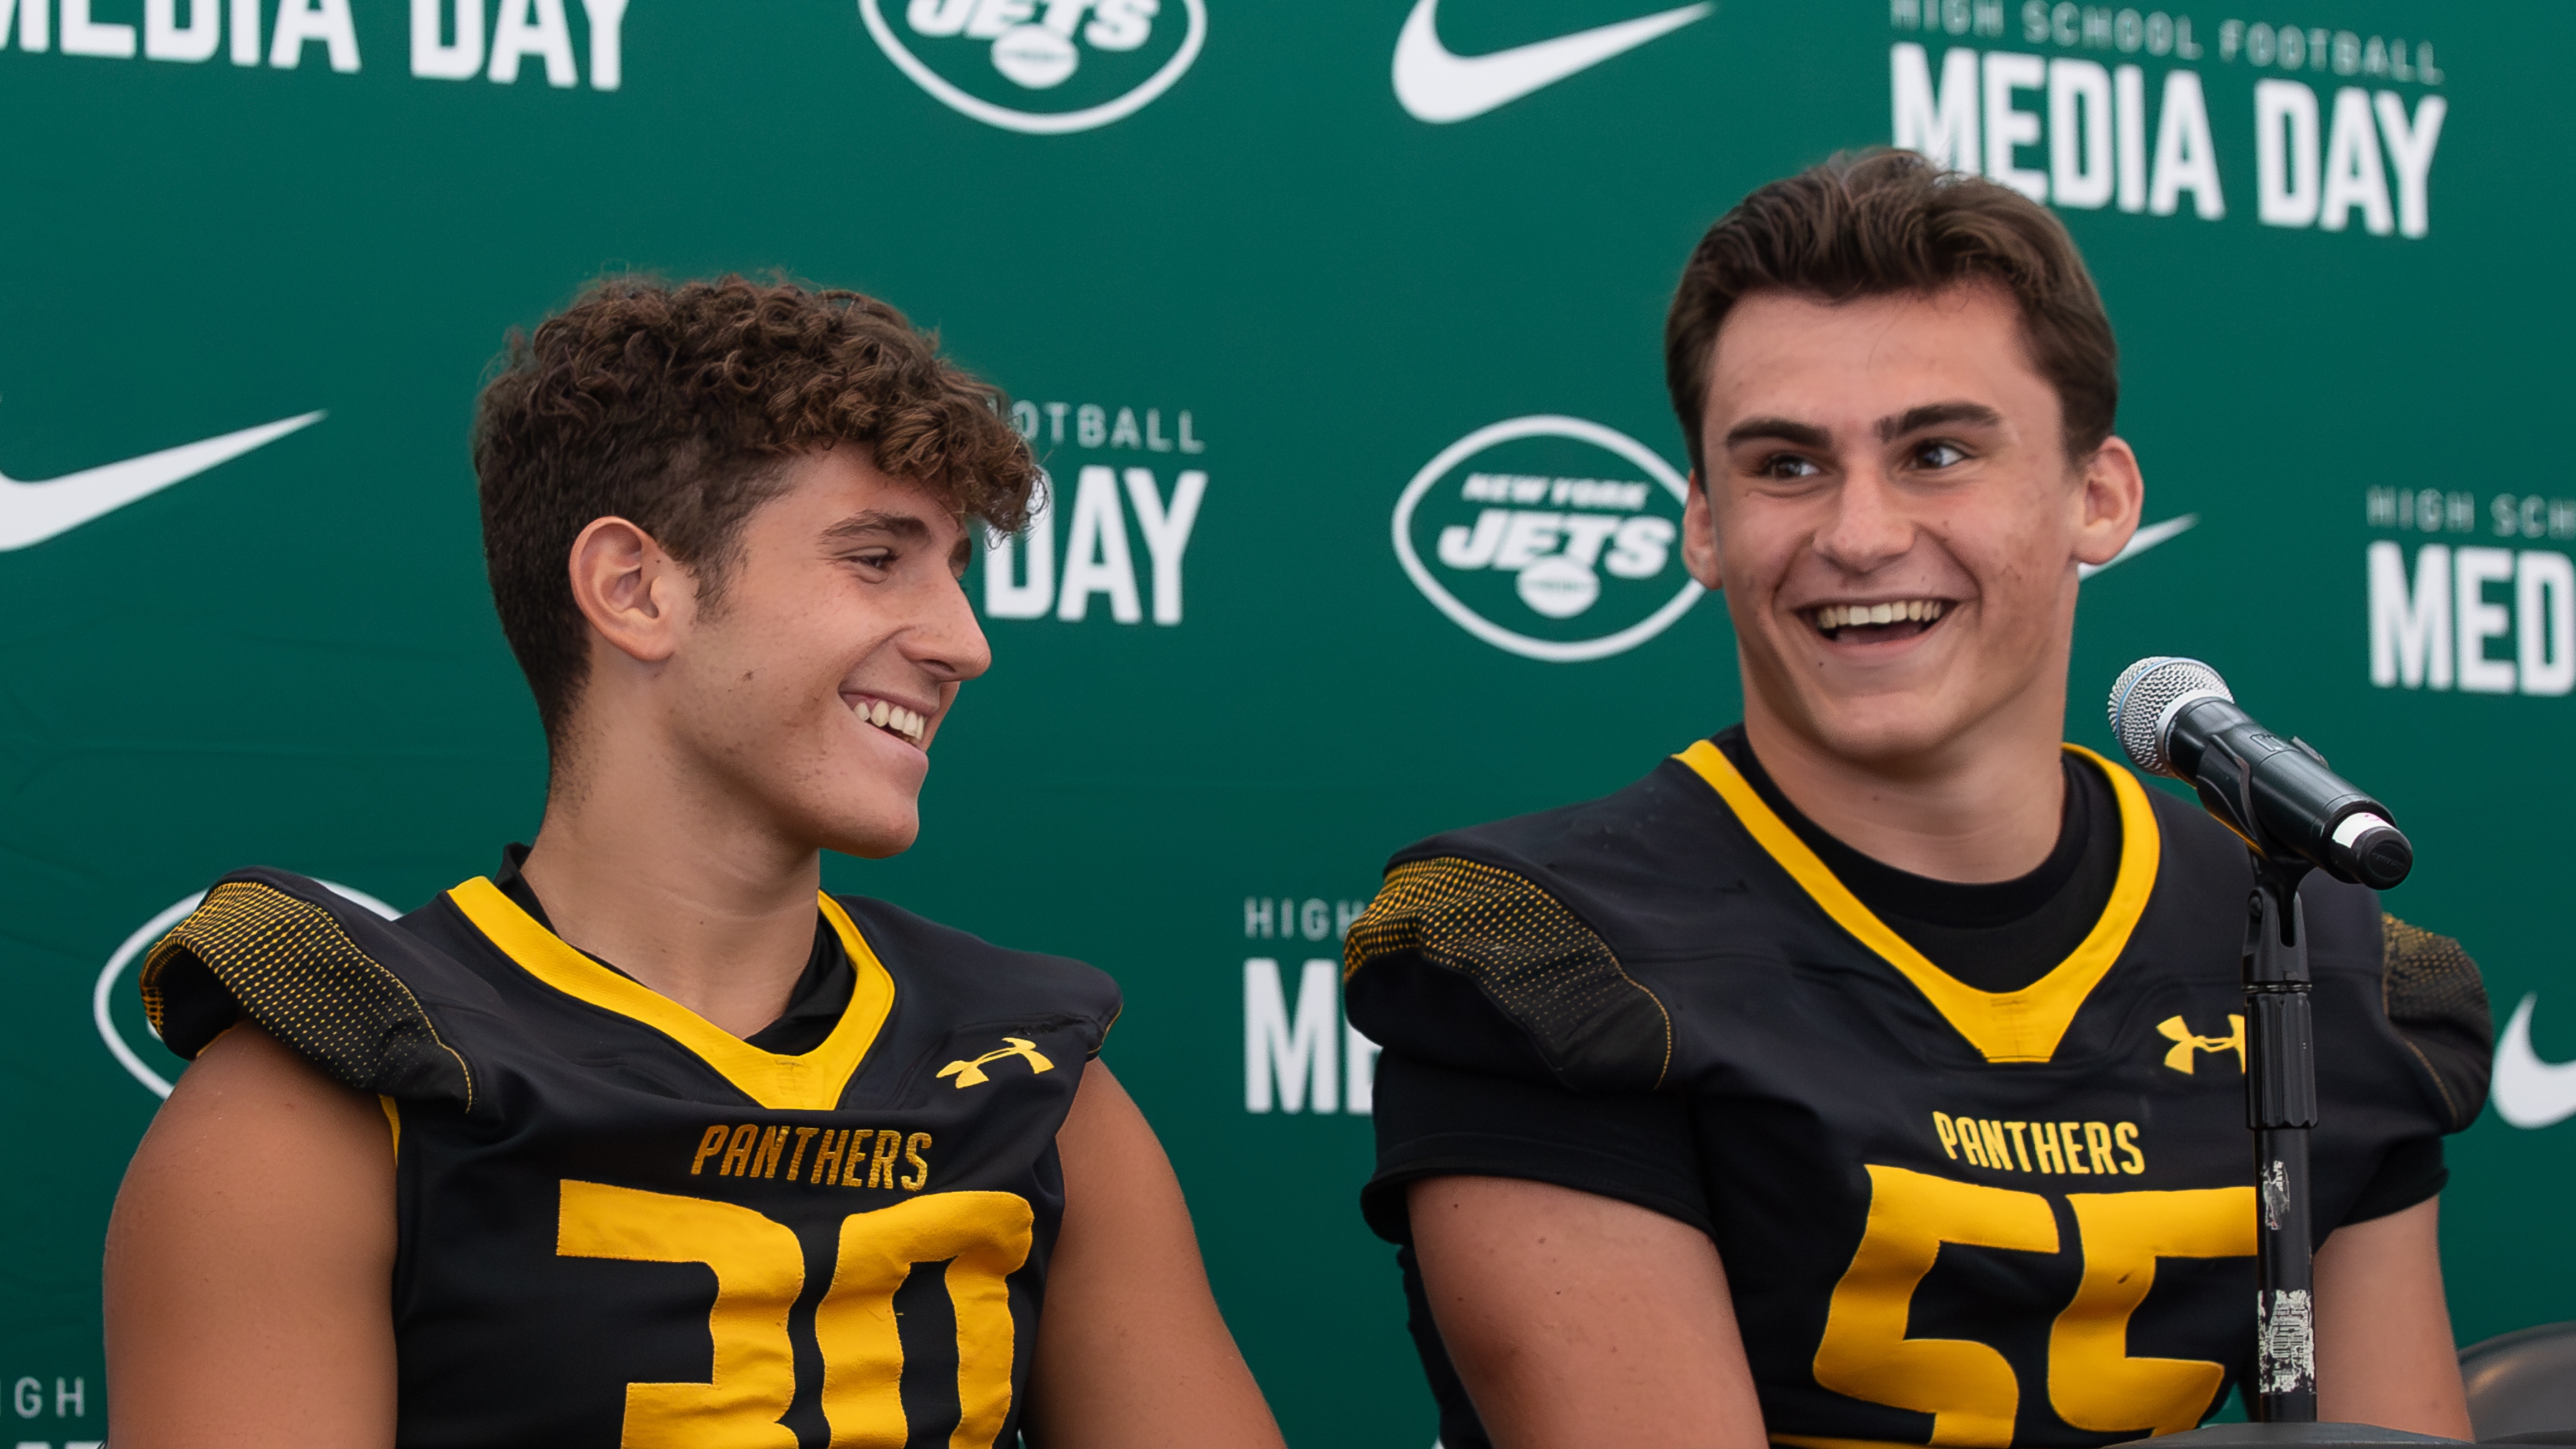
(1976,810)
(677,885)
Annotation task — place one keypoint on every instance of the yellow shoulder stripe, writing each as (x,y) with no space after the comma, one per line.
(811,1083)
(2004,1026)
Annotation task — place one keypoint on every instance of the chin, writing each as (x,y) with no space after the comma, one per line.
(1885,730)
(877,841)
(889,828)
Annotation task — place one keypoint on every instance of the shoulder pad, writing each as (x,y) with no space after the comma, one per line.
(1526,955)
(2438,1003)
(970,978)
(287,953)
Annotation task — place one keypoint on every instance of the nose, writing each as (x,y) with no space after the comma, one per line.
(1868,527)
(947,640)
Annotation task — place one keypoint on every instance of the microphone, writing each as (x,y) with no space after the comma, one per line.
(2176,717)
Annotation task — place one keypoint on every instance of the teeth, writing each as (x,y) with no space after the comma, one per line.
(1844,616)
(893,718)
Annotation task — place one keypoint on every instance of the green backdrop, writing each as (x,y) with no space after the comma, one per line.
(1251,243)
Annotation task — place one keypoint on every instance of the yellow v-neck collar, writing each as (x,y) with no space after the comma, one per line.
(810,1083)
(2004,1026)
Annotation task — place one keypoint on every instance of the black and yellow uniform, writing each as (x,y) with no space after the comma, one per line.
(1961,1200)
(619,1225)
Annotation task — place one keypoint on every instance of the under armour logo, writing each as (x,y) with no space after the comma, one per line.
(2186,1046)
(969,1074)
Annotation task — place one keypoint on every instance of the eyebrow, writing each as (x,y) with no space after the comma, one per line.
(1912,420)
(1803,435)
(877,523)
(1933,415)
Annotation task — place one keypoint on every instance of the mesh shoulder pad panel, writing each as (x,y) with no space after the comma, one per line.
(1551,973)
(287,965)
(2438,1003)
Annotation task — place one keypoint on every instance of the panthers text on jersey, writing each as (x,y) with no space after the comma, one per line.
(1948,1216)
(619,1225)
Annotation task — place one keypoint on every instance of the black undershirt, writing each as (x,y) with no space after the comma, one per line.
(822,992)
(1998,937)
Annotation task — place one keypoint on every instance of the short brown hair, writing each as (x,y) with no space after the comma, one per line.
(676,407)
(1880,222)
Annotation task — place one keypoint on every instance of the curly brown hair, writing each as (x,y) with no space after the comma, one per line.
(677,408)
(1877,222)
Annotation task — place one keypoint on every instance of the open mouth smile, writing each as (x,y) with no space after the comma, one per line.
(1876,623)
(904,724)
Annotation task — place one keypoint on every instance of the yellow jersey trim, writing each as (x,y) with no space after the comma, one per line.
(2004,1026)
(809,1083)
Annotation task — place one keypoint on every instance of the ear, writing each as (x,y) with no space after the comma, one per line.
(1699,536)
(636,597)
(2115,495)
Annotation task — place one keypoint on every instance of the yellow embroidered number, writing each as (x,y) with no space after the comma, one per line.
(1968,1388)
(982,1237)
(759,1271)
(1965,1386)
(2092,1381)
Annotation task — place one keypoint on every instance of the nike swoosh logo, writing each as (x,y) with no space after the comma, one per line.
(2529,1092)
(2139,542)
(1434,84)
(30,513)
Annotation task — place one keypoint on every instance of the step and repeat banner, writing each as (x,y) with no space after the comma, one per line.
(1337,325)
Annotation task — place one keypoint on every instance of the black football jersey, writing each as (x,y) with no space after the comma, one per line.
(620,1225)
(1948,1216)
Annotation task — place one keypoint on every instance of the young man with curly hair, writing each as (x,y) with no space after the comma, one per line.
(1872,1072)
(643,1140)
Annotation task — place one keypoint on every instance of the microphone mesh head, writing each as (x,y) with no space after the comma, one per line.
(2139,697)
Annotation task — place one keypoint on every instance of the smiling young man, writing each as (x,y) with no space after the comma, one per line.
(1872,1072)
(643,1140)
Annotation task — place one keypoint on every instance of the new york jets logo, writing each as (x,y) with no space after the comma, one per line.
(1553,537)
(1045,67)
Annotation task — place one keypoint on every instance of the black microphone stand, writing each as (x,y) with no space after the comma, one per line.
(2280,1108)
(2175,717)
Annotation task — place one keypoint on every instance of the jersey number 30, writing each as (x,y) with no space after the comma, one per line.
(1967,1387)
(983,1237)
